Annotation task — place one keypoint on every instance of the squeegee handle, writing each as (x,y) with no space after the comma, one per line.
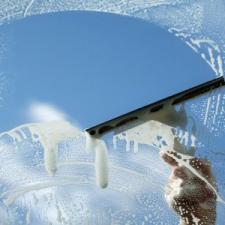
(110,125)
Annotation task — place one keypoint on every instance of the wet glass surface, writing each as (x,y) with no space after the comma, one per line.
(152,177)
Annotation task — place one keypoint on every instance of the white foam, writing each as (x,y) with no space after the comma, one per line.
(90,143)
(196,220)
(156,129)
(99,147)
(49,135)
(213,54)
(13,196)
(101,159)
(28,217)
(207,110)
(217,108)
(146,134)
(101,164)
(50,159)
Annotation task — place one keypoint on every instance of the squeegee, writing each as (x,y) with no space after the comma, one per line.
(154,107)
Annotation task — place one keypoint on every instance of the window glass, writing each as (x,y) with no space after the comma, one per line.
(66,71)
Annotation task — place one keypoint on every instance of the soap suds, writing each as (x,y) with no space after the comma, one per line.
(195,219)
(217,108)
(50,158)
(207,110)
(12,196)
(49,135)
(154,134)
(99,147)
(90,143)
(17,193)
(146,133)
(28,8)
(101,164)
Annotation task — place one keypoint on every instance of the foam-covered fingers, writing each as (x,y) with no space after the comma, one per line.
(168,159)
(178,171)
(199,164)
(204,168)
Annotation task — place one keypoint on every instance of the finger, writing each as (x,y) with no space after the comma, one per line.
(203,167)
(168,159)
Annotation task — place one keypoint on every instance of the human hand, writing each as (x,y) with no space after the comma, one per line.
(187,194)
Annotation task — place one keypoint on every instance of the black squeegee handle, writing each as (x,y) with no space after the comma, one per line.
(108,126)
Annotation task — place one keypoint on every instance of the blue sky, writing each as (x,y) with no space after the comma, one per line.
(93,66)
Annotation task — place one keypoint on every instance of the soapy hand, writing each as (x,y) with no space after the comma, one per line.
(188,195)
